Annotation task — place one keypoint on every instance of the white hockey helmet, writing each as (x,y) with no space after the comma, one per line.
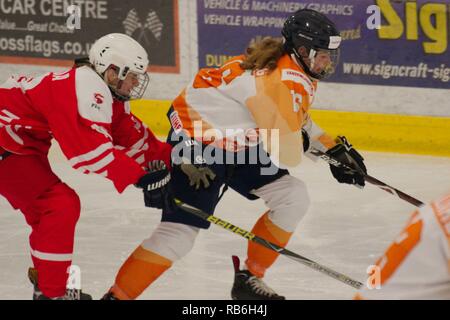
(126,55)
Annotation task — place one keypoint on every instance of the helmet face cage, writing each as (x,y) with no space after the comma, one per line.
(317,62)
(137,91)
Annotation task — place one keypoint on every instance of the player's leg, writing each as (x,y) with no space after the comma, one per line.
(173,238)
(53,217)
(288,201)
(51,209)
(167,244)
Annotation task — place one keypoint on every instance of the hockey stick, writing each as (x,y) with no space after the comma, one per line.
(380,184)
(252,237)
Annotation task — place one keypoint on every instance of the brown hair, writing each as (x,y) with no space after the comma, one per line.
(263,53)
(83,61)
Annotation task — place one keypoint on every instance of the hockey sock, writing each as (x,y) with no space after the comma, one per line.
(260,258)
(140,270)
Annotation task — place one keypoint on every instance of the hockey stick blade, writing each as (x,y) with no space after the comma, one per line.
(380,184)
(252,237)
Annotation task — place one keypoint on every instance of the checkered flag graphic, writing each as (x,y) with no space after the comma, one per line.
(131,22)
(154,24)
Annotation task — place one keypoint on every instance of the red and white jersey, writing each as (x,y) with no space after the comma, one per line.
(96,133)
(228,106)
(417,264)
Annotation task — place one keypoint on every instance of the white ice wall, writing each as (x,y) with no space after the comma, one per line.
(377,99)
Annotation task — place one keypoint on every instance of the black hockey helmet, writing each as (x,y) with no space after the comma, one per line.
(314,40)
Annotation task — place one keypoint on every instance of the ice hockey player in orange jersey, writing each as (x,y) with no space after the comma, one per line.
(241,126)
(417,264)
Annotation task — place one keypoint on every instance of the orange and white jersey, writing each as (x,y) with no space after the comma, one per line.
(417,264)
(232,107)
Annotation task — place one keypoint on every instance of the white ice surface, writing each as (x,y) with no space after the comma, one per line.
(345,229)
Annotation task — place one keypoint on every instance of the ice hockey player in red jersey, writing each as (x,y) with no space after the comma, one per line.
(86,110)
(268,90)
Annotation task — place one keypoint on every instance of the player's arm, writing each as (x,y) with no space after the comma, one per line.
(316,137)
(89,147)
(135,139)
(81,123)
(140,144)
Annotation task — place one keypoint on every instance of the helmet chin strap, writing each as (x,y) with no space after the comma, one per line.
(306,68)
(299,61)
(312,58)
(296,60)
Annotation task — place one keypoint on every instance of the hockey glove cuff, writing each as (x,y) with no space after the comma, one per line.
(306,142)
(156,186)
(347,155)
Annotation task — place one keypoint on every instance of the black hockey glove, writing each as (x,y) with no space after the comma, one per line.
(156,186)
(198,174)
(345,153)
